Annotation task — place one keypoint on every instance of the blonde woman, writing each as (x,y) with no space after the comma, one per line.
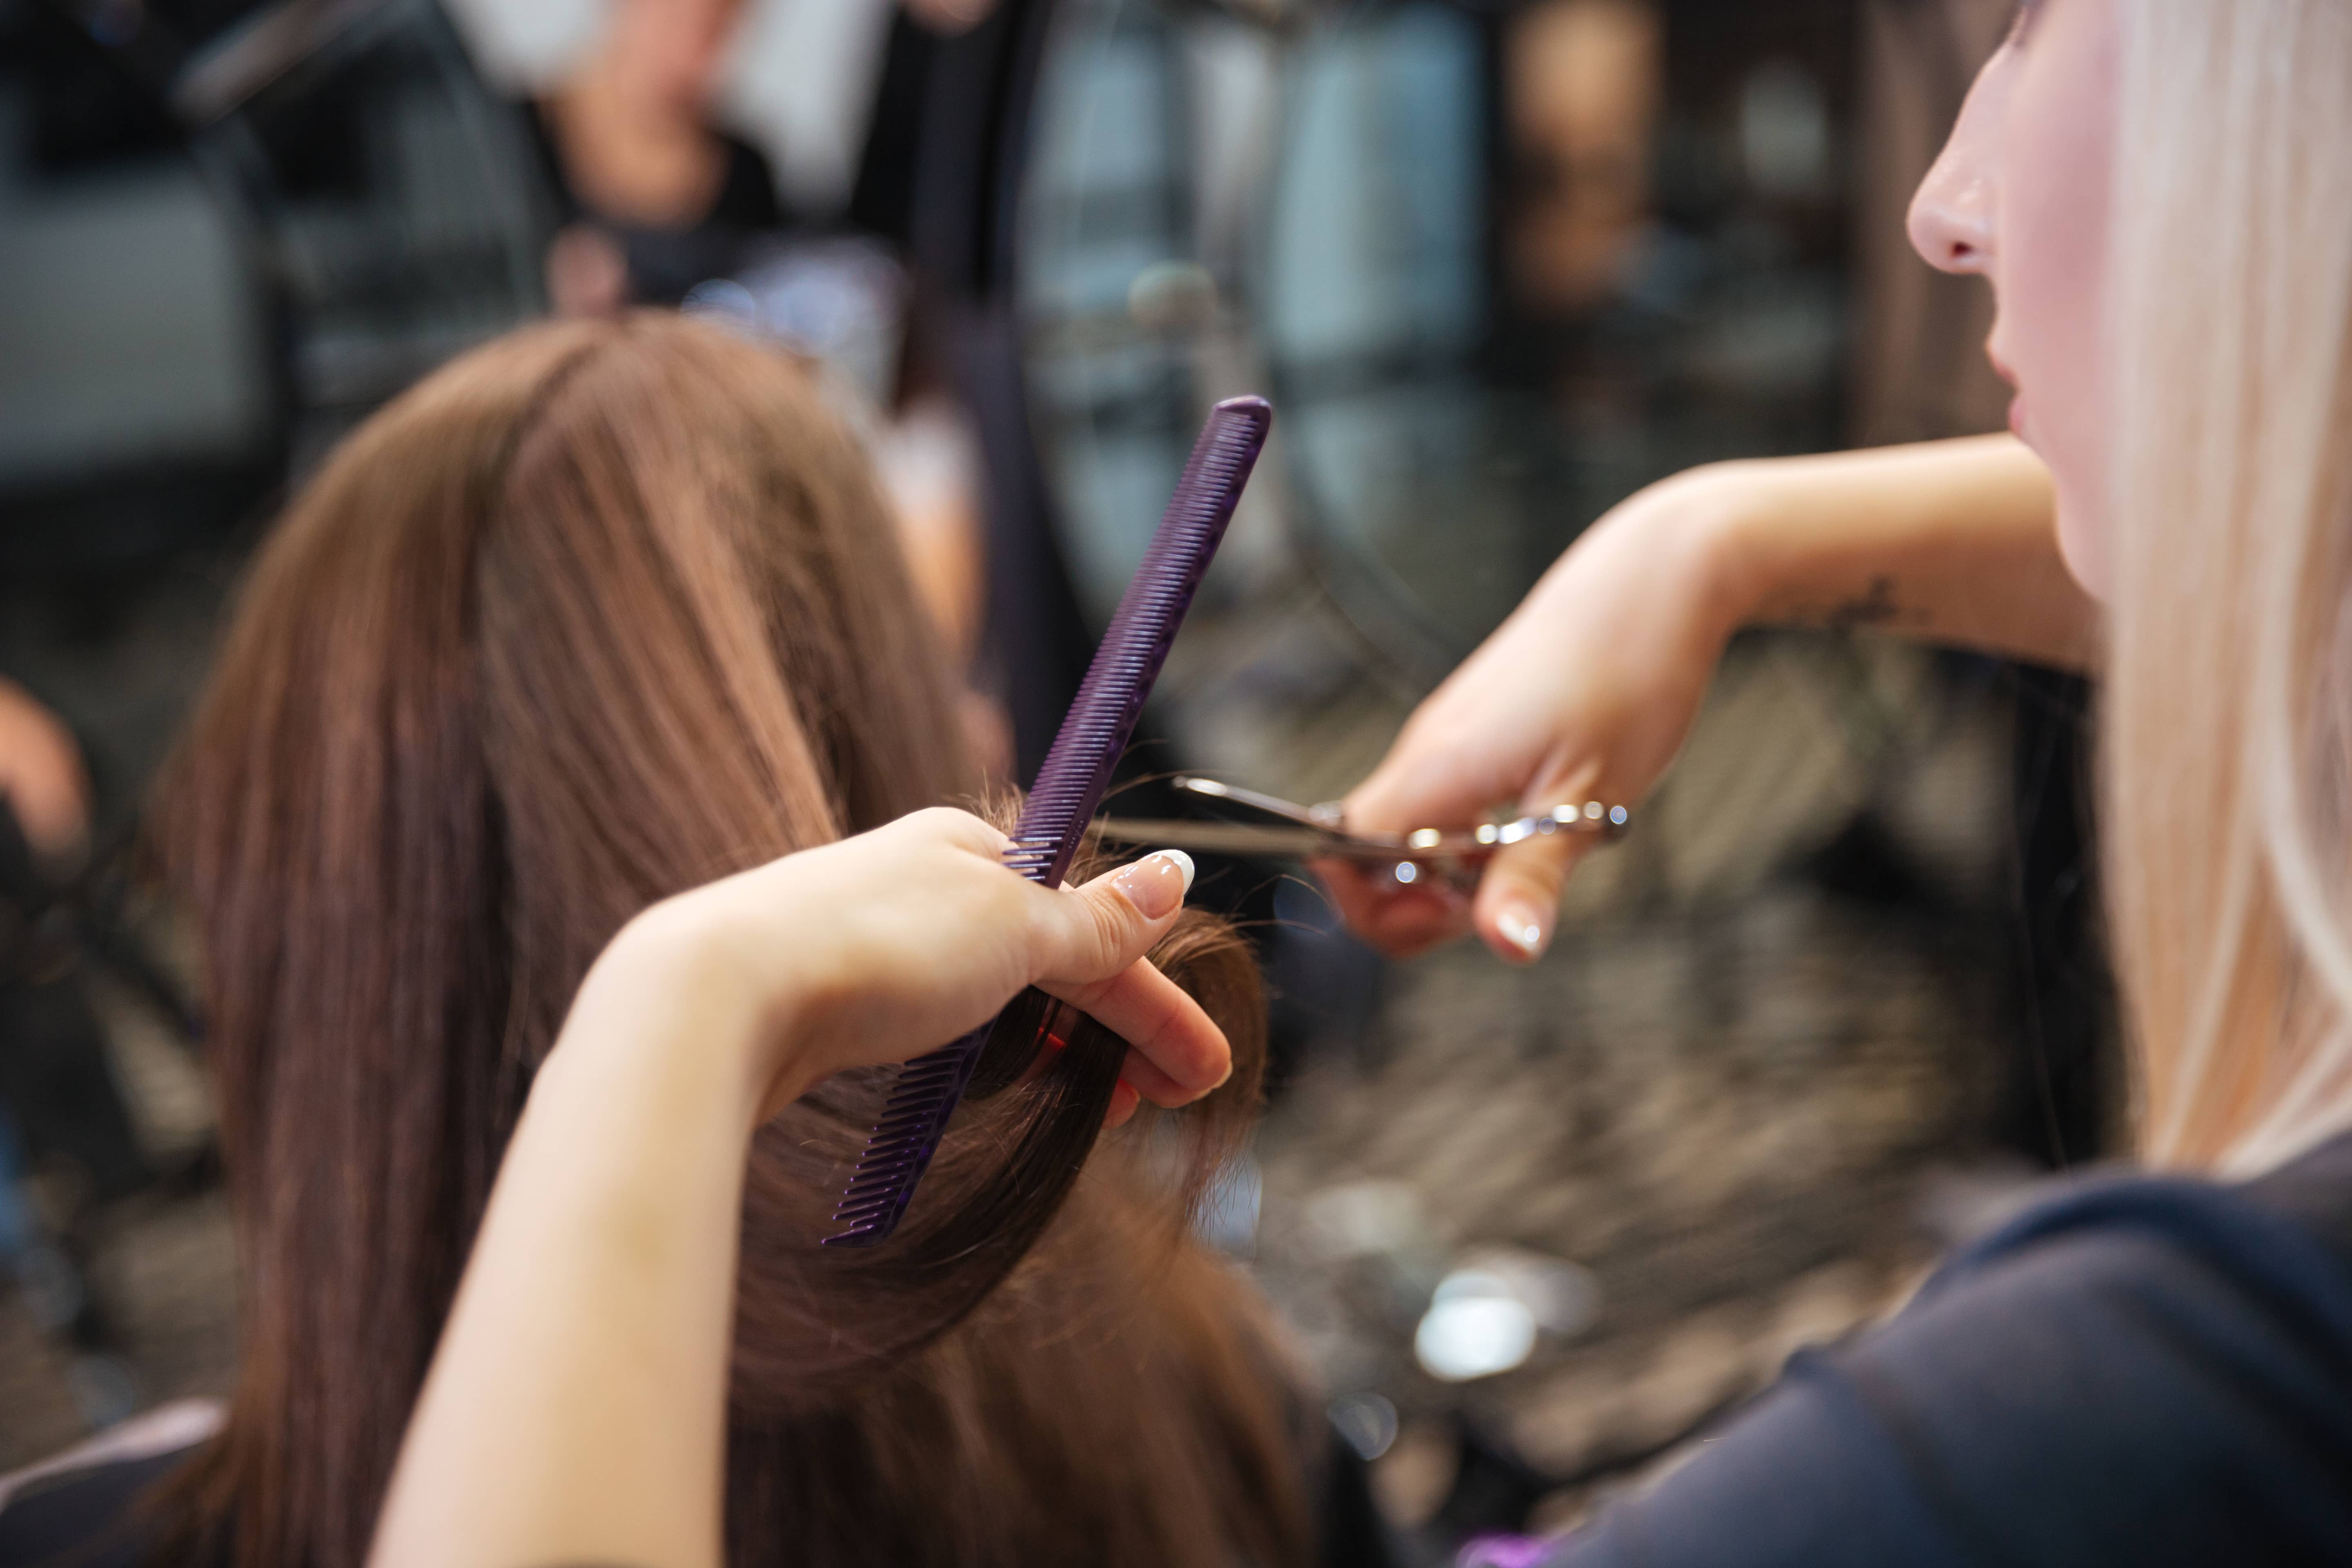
(2147,1371)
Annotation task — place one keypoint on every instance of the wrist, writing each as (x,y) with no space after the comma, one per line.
(1718,521)
(673,997)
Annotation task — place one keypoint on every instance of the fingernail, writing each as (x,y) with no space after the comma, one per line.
(1522,927)
(1157,884)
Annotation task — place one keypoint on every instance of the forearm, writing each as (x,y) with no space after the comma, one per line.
(1950,542)
(575,1410)
(1587,690)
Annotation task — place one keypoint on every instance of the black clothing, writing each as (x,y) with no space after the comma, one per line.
(85,1519)
(2137,1371)
(91,1518)
(664,263)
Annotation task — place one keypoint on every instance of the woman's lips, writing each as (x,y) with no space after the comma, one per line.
(2017,403)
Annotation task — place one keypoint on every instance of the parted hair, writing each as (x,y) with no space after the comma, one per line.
(597,614)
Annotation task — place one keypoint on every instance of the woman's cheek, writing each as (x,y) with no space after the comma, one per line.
(2052,264)
(2081,540)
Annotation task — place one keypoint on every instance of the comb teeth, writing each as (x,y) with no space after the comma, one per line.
(1031,857)
(1071,784)
(1068,789)
(903,1141)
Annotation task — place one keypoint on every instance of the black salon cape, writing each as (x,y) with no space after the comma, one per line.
(2137,1371)
(97,1518)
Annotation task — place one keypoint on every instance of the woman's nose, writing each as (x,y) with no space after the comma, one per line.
(1952,216)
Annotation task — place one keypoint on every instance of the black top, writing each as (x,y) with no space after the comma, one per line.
(96,1518)
(664,263)
(86,1518)
(2137,1371)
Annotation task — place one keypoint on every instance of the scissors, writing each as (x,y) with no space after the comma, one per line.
(1321,833)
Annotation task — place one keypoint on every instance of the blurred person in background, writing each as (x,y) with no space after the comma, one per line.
(1585,78)
(62,1113)
(42,782)
(2136,1370)
(663,205)
(656,197)
(43,834)
(592,614)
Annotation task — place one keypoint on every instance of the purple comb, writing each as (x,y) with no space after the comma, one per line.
(1068,789)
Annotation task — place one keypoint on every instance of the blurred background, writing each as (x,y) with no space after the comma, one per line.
(1498,263)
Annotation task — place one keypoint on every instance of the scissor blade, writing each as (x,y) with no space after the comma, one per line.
(1246,838)
(1256,800)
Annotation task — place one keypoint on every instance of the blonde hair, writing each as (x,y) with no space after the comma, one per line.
(2229,702)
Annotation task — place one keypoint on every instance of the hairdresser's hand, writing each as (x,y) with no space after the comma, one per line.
(886,945)
(1585,693)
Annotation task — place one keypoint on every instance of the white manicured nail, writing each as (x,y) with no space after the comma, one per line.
(1522,930)
(1149,887)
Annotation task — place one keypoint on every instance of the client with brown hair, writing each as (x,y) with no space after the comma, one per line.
(598,614)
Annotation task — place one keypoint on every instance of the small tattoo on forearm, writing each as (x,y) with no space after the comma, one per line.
(1875,608)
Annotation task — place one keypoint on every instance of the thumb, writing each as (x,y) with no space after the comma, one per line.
(1096,933)
(1108,925)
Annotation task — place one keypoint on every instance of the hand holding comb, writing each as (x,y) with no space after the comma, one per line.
(1068,788)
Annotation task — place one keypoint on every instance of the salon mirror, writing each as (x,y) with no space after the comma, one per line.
(1498,267)
(227,233)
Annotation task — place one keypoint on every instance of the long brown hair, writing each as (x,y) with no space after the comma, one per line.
(597,614)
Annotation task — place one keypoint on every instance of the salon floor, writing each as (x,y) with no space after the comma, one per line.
(1530,1226)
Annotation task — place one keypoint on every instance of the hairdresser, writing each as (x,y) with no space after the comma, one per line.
(2152,1370)
(2135,1371)
(653,196)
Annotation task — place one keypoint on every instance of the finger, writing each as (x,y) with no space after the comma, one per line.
(1123,1101)
(1201,1072)
(1518,906)
(1463,749)
(1093,933)
(1397,919)
(1179,1053)
(1137,1073)
(1422,784)
(1095,939)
